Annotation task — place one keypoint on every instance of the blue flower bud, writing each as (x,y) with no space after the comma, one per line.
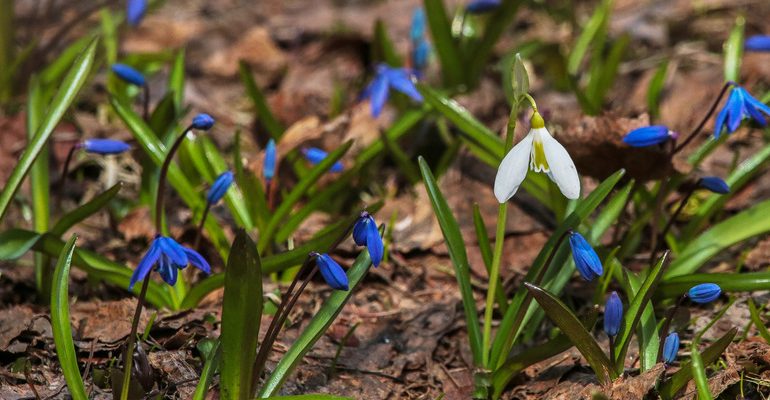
(128,74)
(714,184)
(202,122)
(482,6)
(332,273)
(670,348)
(613,314)
(704,293)
(219,187)
(365,233)
(758,43)
(417,30)
(586,259)
(420,55)
(268,166)
(135,10)
(316,155)
(105,146)
(649,136)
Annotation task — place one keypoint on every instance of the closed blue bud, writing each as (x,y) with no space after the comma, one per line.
(128,74)
(670,348)
(586,259)
(649,136)
(268,166)
(135,10)
(167,256)
(105,146)
(417,30)
(613,314)
(365,233)
(714,184)
(740,105)
(219,187)
(316,155)
(757,43)
(704,293)
(482,6)
(420,55)
(332,273)
(202,122)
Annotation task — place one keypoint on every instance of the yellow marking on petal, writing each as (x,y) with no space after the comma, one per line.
(538,162)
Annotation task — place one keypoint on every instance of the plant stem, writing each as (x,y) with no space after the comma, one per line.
(162,180)
(64,172)
(199,232)
(702,123)
(146,103)
(7,43)
(670,223)
(128,357)
(667,324)
(612,351)
(494,276)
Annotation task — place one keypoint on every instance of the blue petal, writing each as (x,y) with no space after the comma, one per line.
(359,229)
(482,6)
(332,272)
(316,155)
(378,94)
(268,168)
(670,348)
(756,103)
(174,251)
(735,113)
(374,243)
(758,43)
(420,55)
(167,270)
(135,10)
(219,187)
(202,122)
(719,125)
(105,146)
(145,265)
(613,314)
(401,80)
(647,136)
(417,30)
(128,74)
(197,260)
(586,260)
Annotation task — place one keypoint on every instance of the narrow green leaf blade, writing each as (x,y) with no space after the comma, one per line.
(264,114)
(208,372)
(86,210)
(734,51)
(446,48)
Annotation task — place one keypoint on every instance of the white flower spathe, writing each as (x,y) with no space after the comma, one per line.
(540,152)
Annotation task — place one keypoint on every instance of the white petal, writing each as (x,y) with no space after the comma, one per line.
(563,171)
(513,169)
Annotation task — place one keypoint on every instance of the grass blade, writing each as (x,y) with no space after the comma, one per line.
(71,85)
(456,246)
(241,315)
(383,49)
(734,51)
(496,25)
(60,323)
(699,372)
(208,372)
(446,48)
(39,183)
(264,115)
(757,320)
(86,210)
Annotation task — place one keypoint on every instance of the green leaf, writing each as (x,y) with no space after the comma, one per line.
(655,89)
(734,51)
(498,22)
(310,397)
(60,323)
(757,320)
(88,209)
(383,49)
(485,248)
(575,331)
(71,85)
(710,355)
(39,183)
(209,368)
(316,327)
(590,31)
(241,315)
(610,213)
(264,115)
(446,49)
(176,80)
(699,372)
(456,245)
(633,315)
(647,334)
(15,242)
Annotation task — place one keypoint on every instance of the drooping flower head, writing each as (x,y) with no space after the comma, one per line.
(540,152)
(740,105)
(613,314)
(386,78)
(167,257)
(714,184)
(365,233)
(757,43)
(128,74)
(316,155)
(586,260)
(105,146)
(202,122)
(219,187)
(704,293)
(670,348)
(135,10)
(268,166)
(649,136)
(332,272)
(482,6)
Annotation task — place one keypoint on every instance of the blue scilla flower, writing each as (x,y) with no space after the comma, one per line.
(417,30)
(482,6)
(387,78)
(757,43)
(268,167)
(135,10)
(649,136)
(586,259)
(316,155)
(105,146)
(167,256)
(740,105)
(420,56)
(365,233)
(670,348)
(704,293)
(332,273)
(128,74)
(714,184)
(202,122)
(219,187)
(613,314)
